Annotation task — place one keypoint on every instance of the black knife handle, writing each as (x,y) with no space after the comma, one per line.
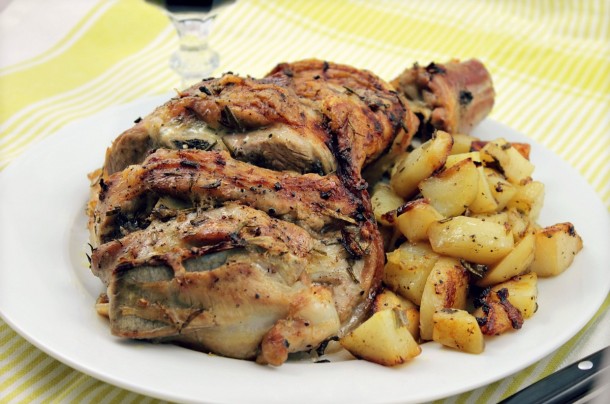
(569,384)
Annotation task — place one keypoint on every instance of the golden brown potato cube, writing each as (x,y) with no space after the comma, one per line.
(409,312)
(495,320)
(415,218)
(514,263)
(528,199)
(484,202)
(383,201)
(520,224)
(502,190)
(451,191)
(407,269)
(418,165)
(446,287)
(556,247)
(457,329)
(453,159)
(522,293)
(515,167)
(523,148)
(462,143)
(383,339)
(473,239)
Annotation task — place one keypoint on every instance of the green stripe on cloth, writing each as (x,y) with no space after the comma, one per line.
(109,40)
(59,47)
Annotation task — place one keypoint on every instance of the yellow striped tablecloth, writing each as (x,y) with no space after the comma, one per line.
(550,61)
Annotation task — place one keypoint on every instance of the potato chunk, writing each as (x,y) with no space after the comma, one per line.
(502,190)
(528,199)
(484,202)
(382,339)
(408,268)
(520,224)
(496,319)
(522,293)
(457,329)
(414,219)
(383,201)
(462,143)
(453,189)
(420,164)
(446,287)
(515,263)
(475,240)
(409,312)
(516,168)
(453,159)
(556,247)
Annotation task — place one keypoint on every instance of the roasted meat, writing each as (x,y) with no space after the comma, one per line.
(235,219)
(453,96)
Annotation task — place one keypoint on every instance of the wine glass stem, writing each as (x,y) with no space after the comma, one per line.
(194,59)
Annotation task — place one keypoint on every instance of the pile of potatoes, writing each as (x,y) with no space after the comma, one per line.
(463,213)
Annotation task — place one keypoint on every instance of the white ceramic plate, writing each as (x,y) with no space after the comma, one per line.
(47,292)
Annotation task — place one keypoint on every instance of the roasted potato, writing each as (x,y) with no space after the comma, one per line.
(451,191)
(502,190)
(500,218)
(446,287)
(514,263)
(515,167)
(522,293)
(494,319)
(556,247)
(414,219)
(453,159)
(408,268)
(528,199)
(523,148)
(462,143)
(484,202)
(472,239)
(457,329)
(520,224)
(383,201)
(418,165)
(383,339)
(409,311)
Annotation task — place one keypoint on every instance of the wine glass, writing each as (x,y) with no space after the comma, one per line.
(193,20)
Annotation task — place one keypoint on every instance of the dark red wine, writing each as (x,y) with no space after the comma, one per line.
(199,6)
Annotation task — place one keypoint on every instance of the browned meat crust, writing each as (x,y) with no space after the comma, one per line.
(453,96)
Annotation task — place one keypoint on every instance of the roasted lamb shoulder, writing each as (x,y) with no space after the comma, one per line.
(234,218)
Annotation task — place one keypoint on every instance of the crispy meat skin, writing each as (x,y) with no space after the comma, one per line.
(208,179)
(234,218)
(301,117)
(202,116)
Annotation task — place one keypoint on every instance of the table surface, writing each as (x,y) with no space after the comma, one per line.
(550,61)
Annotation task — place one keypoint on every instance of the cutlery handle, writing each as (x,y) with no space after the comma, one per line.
(572,383)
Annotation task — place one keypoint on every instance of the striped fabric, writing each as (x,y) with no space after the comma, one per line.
(550,61)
